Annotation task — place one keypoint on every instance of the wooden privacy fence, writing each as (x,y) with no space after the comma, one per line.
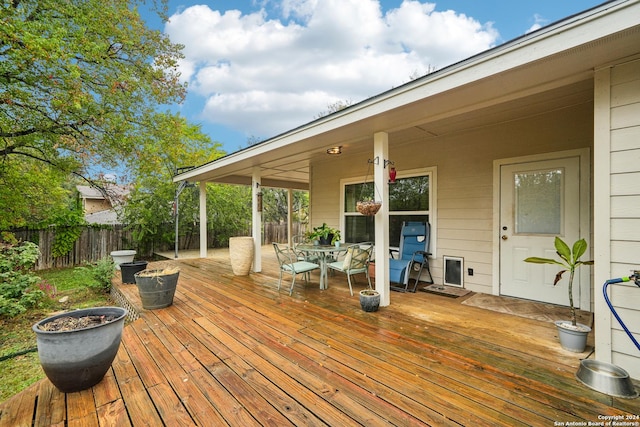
(274,232)
(92,245)
(96,243)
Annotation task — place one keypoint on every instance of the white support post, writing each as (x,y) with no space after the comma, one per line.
(290,217)
(256,216)
(381,185)
(203,219)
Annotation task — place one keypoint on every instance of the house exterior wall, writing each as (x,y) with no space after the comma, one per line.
(464,162)
(95,205)
(617,209)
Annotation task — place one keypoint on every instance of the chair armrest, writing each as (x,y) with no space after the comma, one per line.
(423,254)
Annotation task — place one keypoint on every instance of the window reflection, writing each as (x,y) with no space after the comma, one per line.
(408,201)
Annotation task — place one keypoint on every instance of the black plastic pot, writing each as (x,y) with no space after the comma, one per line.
(129,269)
(78,359)
(156,289)
(326,241)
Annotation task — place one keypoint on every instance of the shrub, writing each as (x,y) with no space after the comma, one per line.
(18,290)
(102,271)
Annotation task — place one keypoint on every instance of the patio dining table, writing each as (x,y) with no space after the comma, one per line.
(323,252)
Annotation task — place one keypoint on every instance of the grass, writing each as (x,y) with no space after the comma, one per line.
(18,371)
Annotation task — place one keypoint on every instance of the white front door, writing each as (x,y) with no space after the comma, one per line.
(539,200)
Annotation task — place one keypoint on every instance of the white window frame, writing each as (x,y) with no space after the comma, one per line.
(431,172)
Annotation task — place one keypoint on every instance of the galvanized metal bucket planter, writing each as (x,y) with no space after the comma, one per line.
(157,287)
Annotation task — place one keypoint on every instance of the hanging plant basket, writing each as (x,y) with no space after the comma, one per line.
(368,208)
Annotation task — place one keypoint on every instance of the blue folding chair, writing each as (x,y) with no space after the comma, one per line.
(414,253)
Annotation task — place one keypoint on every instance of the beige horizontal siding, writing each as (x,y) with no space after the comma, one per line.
(625,209)
(464,164)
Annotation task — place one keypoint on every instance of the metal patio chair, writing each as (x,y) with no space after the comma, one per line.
(289,263)
(355,261)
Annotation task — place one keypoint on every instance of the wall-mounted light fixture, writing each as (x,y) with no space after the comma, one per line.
(335,150)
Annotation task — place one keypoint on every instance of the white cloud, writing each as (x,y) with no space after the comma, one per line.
(538,23)
(263,75)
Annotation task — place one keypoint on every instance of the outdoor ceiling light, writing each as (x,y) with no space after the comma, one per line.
(335,150)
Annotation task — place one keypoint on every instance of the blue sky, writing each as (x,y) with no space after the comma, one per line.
(257,68)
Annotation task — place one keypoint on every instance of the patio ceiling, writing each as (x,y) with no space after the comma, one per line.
(545,71)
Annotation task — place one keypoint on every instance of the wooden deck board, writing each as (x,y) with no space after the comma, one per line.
(51,408)
(235,351)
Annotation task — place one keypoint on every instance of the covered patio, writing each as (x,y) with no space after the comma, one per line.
(234,351)
(500,153)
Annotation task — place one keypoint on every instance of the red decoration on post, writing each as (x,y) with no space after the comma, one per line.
(392,174)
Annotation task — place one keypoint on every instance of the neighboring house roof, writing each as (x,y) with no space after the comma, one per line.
(545,70)
(115,197)
(116,194)
(87,192)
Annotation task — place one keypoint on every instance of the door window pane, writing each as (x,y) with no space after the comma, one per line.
(538,201)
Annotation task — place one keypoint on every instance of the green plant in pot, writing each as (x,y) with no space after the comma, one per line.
(324,234)
(572,335)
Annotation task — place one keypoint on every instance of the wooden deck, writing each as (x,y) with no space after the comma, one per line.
(235,351)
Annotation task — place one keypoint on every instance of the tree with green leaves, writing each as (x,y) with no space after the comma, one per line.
(275,202)
(173,143)
(31,193)
(81,84)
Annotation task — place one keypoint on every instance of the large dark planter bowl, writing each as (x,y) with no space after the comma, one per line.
(128,269)
(78,359)
(156,290)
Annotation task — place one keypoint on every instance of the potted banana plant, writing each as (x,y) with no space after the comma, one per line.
(573,335)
